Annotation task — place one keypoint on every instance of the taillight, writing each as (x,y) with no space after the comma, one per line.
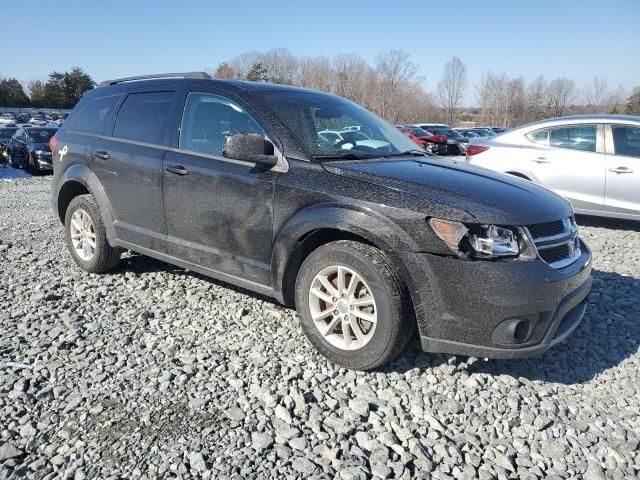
(475,149)
(53,145)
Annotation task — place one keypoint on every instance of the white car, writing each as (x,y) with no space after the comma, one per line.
(593,160)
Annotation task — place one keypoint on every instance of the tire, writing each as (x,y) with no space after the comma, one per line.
(392,306)
(104,257)
(10,160)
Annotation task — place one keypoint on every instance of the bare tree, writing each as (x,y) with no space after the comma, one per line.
(395,71)
(596,95)
(536,100)
(224,70)
(452,86)
(560,93)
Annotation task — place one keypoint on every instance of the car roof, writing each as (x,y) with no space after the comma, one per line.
(577,119)
(242,85)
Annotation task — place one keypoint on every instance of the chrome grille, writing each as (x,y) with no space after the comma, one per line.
(557,243)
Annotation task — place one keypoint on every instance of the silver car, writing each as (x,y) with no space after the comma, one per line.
(593,160)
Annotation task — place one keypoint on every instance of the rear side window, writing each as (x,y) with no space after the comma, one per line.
(93,116)
(577,137)
(144,117)
(539,136)
(626,140)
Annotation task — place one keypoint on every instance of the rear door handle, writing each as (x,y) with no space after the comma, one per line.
(101,154)
(621,170)
(541,160)
(177,170)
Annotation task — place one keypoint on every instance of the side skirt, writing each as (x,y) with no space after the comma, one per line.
(224,277)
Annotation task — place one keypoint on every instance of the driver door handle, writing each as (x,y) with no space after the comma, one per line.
(177,170)
(541,160)
(621,170)
(101,154)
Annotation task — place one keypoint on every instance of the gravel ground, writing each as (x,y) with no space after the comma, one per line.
(152,371)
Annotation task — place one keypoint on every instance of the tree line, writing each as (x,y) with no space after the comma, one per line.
(390,87)
(61,90)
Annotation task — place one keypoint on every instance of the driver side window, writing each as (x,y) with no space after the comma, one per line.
(208,119)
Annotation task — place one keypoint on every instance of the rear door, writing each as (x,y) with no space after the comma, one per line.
(570,160)
(128,163)
(623,170)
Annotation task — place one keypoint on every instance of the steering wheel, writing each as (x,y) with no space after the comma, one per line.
(344,142)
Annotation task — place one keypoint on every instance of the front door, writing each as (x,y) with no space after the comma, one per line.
(219,212)
(623,170)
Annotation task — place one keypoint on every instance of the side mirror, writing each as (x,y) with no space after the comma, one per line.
(249,147)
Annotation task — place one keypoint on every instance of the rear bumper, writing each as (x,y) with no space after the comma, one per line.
(473,307)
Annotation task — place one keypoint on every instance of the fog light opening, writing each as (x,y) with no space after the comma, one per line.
(520,331)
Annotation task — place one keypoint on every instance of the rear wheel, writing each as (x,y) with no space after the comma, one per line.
(352,305)
(87,237)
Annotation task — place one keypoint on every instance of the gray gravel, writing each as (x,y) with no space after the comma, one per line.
(153,371)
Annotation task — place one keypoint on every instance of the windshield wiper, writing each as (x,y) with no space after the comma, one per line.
(346,156)
(421,153)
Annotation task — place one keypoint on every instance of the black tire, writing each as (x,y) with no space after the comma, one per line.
(10,160)
(395,323)
(30,165)
(105,256)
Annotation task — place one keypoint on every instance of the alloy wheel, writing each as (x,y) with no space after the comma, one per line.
(83,235)
(343,307)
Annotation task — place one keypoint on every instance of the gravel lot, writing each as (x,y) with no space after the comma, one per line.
(153,371)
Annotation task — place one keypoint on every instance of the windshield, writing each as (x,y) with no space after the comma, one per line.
(419,132)
(41,136)
(449,132)
(6,133)
(327,126)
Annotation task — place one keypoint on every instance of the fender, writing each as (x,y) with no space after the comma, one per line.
(353,219)
(82,174)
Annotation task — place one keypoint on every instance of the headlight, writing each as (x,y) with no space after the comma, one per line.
(483,241)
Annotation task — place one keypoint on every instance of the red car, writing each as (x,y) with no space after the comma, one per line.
(427,140)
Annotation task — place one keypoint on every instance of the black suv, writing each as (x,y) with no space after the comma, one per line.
(369,240)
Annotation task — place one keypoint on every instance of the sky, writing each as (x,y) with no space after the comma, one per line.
(578,39)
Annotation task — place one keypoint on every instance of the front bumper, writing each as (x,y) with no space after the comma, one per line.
(44,162)
(473,307)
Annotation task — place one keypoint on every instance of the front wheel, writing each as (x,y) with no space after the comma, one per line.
(87,237)
(352,305)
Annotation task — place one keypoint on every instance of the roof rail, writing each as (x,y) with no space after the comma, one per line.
(201,75)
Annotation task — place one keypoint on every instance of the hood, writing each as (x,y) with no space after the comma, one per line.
(488,196)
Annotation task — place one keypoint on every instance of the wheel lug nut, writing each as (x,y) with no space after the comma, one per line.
(334,299)
(335,312)
(346,317)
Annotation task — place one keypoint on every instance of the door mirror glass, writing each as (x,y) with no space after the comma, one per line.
(249,147)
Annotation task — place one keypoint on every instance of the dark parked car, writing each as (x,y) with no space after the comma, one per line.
(29,148)
(467,133)
(5,135)
(456,143)
(231,179)
(484,132)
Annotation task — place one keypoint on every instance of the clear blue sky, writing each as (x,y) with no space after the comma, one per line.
(578,39)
